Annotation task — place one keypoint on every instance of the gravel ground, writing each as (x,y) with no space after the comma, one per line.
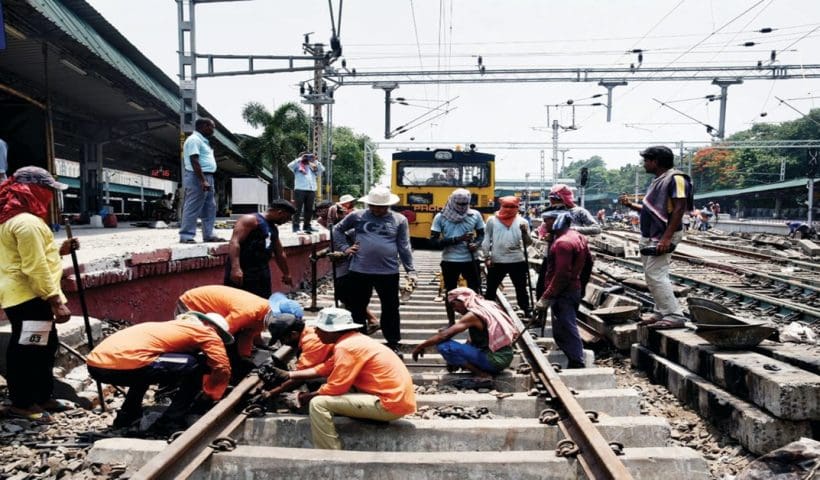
(724,455)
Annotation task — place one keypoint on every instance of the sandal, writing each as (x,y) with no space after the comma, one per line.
(650,318)
(666,323)
(39,417)
(56,405)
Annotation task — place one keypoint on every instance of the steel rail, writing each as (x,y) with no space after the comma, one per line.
(733,268)
(814,267)
(596,456)
(191,449)
(791,307)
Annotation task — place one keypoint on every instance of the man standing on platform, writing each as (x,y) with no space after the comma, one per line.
(198,184)
(4,159)
(382,239)
(661,213)
(254,241)
(305,170)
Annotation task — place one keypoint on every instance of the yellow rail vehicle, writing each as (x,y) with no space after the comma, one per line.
(424,180)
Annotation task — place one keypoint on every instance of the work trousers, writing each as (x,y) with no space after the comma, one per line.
(354,405)
(170,369)
(361,287)
(450,272)
(256,281)
(304,205)
(565,326)
(656,274)
(458,354)
(518,275)
(198,205)
(29,367)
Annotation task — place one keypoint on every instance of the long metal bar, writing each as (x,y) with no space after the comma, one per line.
(596,456)
(698,73)
(81,294)
(811,314)
(185,454)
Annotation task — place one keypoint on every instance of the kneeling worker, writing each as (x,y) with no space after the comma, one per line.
(291,330)
(383,384)
(188,351)
(492,333)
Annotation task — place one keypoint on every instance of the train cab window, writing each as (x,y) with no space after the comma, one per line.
(443,175)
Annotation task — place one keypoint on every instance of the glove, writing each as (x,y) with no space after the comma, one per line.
(413,278)
(272,377)
(291,399)
(542,304)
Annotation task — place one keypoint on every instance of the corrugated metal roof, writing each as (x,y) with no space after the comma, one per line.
(756,189)
(85,25)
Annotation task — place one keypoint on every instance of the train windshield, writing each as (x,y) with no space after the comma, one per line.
(445,174)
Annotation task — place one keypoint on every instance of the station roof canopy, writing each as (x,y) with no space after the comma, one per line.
(759,190)
(102,89)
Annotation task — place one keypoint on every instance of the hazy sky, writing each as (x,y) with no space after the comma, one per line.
(383,34)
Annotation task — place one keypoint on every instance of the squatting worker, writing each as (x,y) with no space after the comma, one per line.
(669,196)
(568,266)
(30,293)
(198,182)
(383,386)
(492,333)
(506,237)
(305,169)
(254,241)
(245,313)
(458,230)
(188,352)
(313,353)
(382,240)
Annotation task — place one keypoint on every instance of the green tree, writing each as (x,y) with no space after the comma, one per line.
(284,136)
(348,167)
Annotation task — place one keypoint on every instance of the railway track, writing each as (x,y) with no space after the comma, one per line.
(537,422)
(746,286)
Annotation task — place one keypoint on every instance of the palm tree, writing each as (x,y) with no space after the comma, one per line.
(285,135)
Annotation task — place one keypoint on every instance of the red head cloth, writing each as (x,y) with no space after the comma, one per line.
(508,211)
(562,193)
(17,198)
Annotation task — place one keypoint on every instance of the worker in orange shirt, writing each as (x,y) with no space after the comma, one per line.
(289,330)
(383,384)
(188,352)
(246,313)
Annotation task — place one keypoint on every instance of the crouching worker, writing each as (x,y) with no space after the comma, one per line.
(312,354)
(246,314)
(382,382)
(492,333)
(188,352)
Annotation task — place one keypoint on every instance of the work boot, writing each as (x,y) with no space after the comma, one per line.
(396,348)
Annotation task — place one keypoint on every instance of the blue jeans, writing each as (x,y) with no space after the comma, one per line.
(565,327)
(198,204)
(458,354)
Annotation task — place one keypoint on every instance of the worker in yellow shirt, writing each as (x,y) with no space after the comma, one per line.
(383,384)
(30,294)
(188,351)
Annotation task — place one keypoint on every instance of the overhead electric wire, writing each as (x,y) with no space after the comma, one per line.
(593,39)
(801,38)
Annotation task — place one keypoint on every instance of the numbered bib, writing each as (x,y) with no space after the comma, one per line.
(35,332)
